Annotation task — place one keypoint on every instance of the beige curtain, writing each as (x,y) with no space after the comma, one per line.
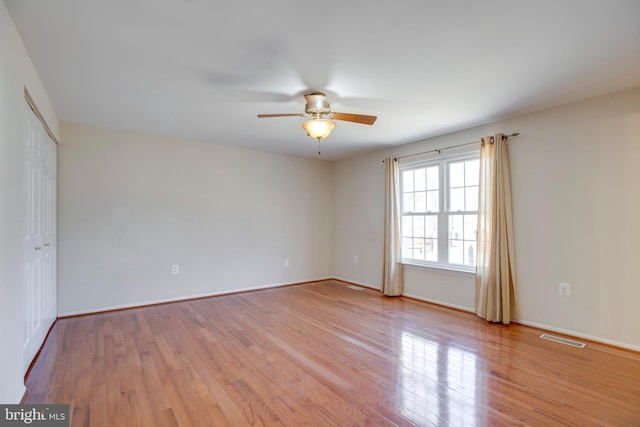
(392,266)
(495,269)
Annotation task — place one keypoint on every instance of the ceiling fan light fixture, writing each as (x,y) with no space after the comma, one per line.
(319,128)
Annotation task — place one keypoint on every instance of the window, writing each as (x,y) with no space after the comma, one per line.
(440,211)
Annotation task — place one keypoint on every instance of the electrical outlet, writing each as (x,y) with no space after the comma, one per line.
(286,262)
(564,289)
(355,259)
(175,269)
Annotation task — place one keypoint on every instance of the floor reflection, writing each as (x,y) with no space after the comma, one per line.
(438,382)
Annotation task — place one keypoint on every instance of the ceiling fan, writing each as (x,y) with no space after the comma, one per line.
(321,124)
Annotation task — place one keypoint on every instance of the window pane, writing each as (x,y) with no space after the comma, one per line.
(456,252)
(407,181)
(471,172)
(418,248)
(420,179)
(431,227)
(433,178)
(431,250)
(456,174)
(418,226)
(470,253)
(407,251)
(471,196)
(456,227)
(462,239)
(470,227)
(407,226)
(432,201)
(420,200)
(456,199)
(407,202)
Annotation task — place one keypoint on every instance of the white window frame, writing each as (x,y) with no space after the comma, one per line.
(443,214)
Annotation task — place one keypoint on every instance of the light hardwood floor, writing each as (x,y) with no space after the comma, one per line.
(321,354)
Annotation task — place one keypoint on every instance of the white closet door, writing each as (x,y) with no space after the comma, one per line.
(40,238)
(49,235)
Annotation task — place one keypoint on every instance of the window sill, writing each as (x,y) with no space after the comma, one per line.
(440,268)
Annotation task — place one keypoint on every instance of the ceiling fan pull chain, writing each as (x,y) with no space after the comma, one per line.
(318,147)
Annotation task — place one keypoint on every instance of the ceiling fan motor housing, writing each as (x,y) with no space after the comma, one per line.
(317,103)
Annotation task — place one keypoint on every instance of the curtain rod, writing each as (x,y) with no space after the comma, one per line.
(438,150)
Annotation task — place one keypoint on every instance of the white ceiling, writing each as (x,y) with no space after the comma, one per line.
(202,69)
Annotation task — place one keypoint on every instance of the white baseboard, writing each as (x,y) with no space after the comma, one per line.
(421,298)
(442,303)
(184,297)
(366,285)
(579,335)
(275,285)
(522,322)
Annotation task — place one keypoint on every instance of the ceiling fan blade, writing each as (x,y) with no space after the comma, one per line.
(357,118)
(263,116)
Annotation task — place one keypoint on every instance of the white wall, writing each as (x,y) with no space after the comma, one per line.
(575,176)
(16,74)
(132,205)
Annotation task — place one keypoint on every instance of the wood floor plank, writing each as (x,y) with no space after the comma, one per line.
(321,354)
